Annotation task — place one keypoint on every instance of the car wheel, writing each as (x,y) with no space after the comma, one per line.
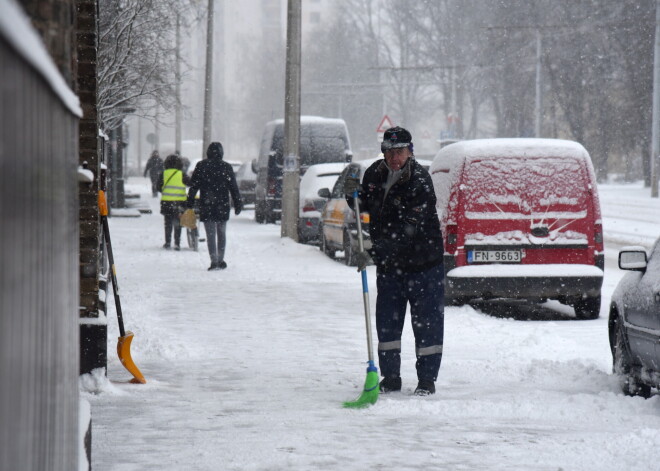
(269,215)
(325,248)
(587,308)
(622,367)
(259,213)
(457,301)
(349,251)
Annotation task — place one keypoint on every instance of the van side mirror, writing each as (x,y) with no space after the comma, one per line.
(349,156)
(324,193)
(633,258)
(255,169)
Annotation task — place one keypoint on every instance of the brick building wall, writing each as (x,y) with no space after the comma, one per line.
(69,31)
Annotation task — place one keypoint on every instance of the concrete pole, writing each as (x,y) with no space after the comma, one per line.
(139,145)
(157,128)
(539,97)
(208,90)
(177,111)
(655,132)
(291,178)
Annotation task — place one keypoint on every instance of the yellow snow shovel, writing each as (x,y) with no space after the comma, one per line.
(125,339)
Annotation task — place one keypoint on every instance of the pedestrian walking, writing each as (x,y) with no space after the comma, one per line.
(398,194)
(172,183)
(154,168)
(215,180)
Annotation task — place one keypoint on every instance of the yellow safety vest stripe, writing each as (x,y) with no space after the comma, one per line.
(173,189)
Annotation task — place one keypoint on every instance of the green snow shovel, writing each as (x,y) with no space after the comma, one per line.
(371,390)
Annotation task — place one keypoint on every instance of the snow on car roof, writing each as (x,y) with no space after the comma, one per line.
(312,119)
(507,148)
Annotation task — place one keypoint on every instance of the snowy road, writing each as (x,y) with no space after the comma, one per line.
(247,367)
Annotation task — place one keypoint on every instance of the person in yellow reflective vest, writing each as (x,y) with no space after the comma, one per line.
(172,184)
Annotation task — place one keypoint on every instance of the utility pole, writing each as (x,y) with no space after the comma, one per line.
(655,132)
(539,90)
(139,145)
(291,178)
(208,90)
(177,78)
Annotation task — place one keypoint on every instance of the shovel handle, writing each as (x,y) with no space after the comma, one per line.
(103,208)
(365,285)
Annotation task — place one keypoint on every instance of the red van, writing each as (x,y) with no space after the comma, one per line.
(520,219)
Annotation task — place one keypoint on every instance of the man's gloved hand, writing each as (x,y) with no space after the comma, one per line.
(363,259)
(237,209)
(351,185)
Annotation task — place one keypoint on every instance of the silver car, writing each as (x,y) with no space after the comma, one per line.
(634,323)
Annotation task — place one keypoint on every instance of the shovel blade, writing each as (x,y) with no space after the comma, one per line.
(369,395)
(124,353)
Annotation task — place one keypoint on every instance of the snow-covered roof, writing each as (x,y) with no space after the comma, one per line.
(507,148)
(313,119)
(16,29)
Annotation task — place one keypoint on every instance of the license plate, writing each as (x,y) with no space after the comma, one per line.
(494,256)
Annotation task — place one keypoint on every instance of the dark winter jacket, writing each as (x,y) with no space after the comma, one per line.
(404,225)
(154,166)
(215,180)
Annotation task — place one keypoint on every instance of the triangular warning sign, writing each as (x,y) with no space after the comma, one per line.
(385,124)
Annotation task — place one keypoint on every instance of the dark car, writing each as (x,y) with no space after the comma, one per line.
(634,323)
(322,140)
(246,179)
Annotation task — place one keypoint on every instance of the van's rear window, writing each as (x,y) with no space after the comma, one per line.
(506,187)
(321,150)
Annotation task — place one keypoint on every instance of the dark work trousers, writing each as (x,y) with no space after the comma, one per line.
(425,293)
(216,239)
(172,222)
(154,185)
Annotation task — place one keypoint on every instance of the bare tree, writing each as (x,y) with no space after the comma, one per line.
(136,68)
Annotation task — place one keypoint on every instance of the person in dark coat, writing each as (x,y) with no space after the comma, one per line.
(215,180)
(172,184)
(155,169)
(407,249)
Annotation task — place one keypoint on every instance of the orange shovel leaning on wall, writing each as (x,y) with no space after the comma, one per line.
(125,339)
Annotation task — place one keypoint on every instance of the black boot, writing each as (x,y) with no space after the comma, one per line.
(390,384)
(425,387)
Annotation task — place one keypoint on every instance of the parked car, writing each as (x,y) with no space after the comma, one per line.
(247,182)
(520,219)
(311,204)
(338,227)
(322,140)
(634,322)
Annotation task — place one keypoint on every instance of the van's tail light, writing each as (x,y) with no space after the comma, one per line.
(308,206)
(598,236)
(364,218)
(452,238)
(272,187)
(599,251)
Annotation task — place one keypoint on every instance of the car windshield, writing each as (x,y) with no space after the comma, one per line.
(524,187)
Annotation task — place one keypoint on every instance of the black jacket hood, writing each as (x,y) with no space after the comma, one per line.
(215,151)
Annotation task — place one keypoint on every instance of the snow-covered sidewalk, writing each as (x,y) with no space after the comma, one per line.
(247,369)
